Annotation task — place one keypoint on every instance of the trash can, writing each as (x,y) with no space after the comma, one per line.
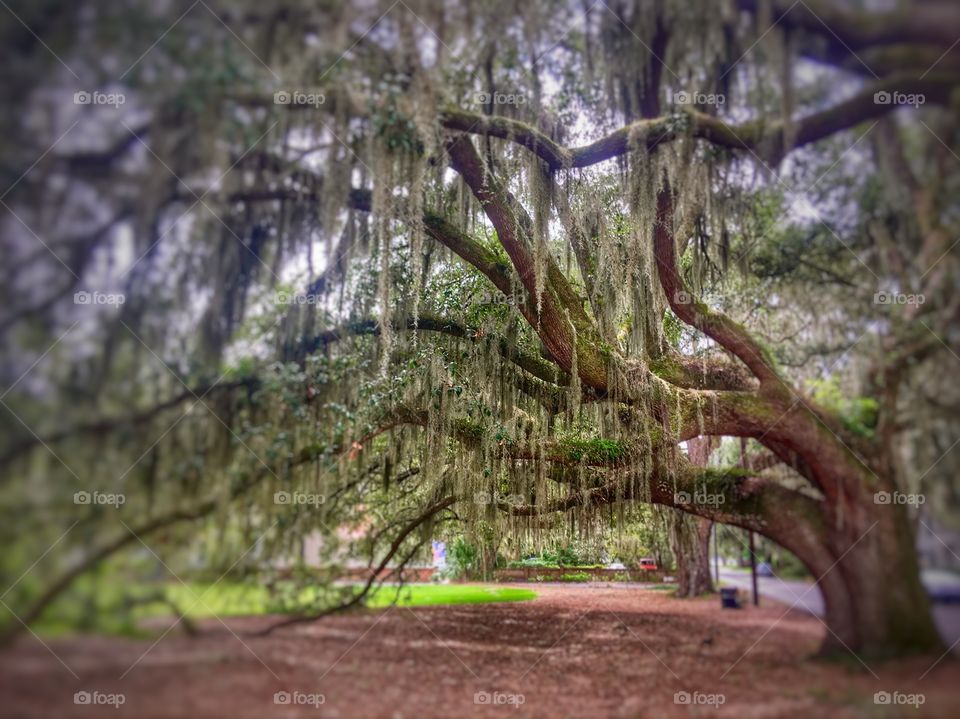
(728,598)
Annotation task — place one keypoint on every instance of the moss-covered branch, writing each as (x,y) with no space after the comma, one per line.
(912,23)
(561,321)
(730,335)
(750,135)
(730,495)
(536,365)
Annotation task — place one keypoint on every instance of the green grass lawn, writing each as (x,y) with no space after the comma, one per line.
(243,599)
(421,595)
(197,600)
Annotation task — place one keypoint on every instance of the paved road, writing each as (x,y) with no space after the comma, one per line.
(807,596)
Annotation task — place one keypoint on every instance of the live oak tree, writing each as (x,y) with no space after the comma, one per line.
(483,262)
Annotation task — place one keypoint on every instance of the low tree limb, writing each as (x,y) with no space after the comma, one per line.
(362,594)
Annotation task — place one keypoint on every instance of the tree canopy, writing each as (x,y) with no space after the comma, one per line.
(280,270)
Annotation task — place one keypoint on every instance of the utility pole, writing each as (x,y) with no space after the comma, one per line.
(716,551)
(753,555)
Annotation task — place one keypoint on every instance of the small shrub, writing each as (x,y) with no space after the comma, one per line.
(461,561)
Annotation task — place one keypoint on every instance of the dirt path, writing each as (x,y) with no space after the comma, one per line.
(576,651)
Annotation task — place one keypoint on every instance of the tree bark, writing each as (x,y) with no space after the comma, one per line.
(690,535)
(690,542)
(879,606)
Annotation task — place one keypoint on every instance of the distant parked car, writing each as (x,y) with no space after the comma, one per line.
(764,570)
(616,565)
(648,565)
(941,586)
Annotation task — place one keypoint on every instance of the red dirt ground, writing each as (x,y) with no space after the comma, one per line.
(576,651)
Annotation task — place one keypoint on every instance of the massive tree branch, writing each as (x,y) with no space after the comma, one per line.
(701,373)
(715,325)
(751,135)
(913,23)
(732,496)
(562,323)
(468,249)
(534,364)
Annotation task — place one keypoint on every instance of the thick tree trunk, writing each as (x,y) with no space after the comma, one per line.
(860,551)
(690,540)
(865,564)
(690,535)
(890,611)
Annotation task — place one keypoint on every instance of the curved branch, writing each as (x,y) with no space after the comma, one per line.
(534,364)
(468,249)
(701,373)
(751,135)
(60,585)
(109,424)
(560,308)
(734,496)
(914,23)
(437,506)
(730,335)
